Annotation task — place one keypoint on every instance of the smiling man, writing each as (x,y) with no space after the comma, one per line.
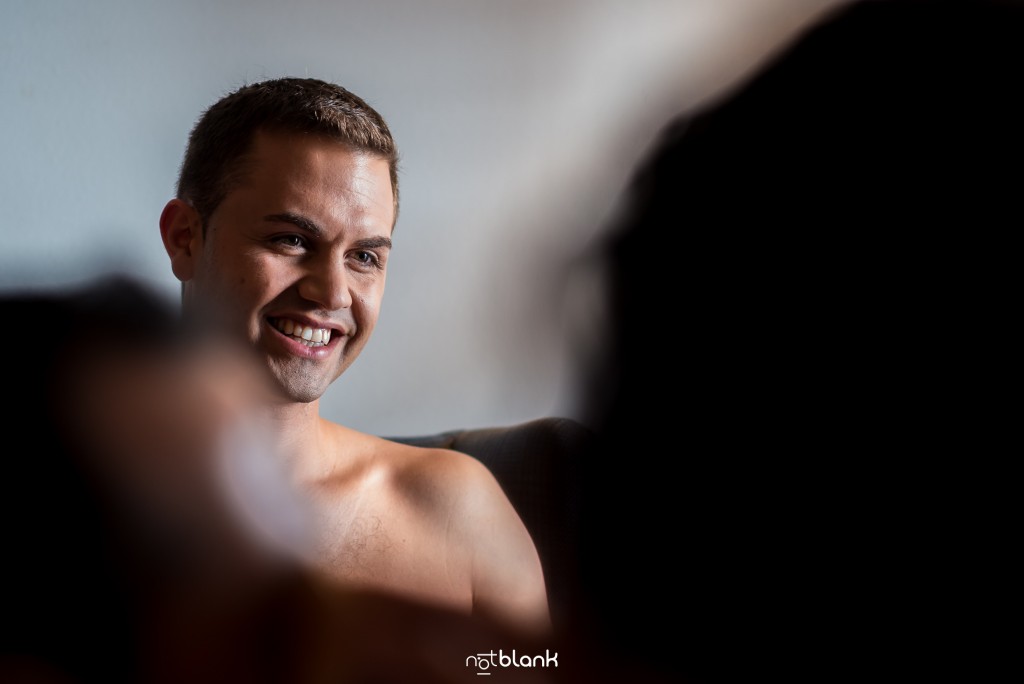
(280,234)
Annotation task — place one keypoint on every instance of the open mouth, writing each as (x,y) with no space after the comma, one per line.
(303,334)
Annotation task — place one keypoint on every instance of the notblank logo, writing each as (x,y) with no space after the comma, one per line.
(485,662)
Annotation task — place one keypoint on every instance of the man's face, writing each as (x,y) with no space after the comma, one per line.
(294,258)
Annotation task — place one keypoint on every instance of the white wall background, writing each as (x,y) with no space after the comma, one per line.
(519,123)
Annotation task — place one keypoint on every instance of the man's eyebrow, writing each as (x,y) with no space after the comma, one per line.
(373,243)
(295,220)
(312,228)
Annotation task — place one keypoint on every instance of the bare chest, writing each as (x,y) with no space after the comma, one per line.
(370,539)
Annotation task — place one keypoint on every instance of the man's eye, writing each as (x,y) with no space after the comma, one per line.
(367,258)
(290,241)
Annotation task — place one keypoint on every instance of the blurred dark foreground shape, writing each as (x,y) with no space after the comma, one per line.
(812,297)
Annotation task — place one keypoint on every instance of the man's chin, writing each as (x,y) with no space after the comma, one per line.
(288,389)
(300,395)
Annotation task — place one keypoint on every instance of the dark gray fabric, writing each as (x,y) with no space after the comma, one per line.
(537,463)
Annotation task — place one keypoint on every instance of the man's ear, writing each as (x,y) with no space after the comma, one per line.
(182,233)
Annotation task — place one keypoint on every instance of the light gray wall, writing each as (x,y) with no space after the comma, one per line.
(519,122)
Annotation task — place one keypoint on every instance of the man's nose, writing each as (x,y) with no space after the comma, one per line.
(327,285)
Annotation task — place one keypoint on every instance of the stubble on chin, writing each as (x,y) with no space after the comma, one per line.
(299,382)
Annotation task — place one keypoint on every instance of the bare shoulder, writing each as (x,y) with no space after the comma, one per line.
(458,510)
(437,482)
(458,488)
(444,478)
(463,496)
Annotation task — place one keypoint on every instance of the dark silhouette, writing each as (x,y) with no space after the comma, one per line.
(809,291)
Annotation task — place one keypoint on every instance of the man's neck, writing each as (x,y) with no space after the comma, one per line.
(299,436)
(294,425)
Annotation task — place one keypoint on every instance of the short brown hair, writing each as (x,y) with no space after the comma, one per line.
(225,131)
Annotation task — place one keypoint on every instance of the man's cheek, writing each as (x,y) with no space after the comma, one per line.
(369,306)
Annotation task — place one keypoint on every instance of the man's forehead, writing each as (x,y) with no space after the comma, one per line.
(301,164)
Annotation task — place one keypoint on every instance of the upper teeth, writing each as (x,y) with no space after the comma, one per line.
(305,333)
